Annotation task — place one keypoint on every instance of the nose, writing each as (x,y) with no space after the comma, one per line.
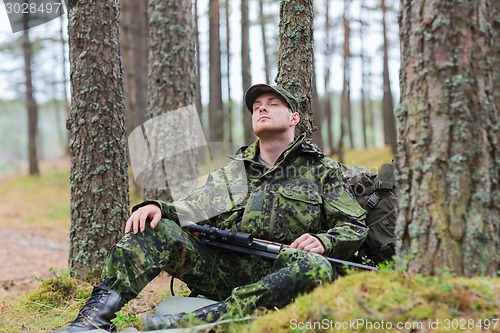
(262,108)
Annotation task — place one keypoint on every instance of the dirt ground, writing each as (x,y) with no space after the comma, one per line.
(29,253)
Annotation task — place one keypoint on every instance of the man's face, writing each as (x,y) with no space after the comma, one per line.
(271,114)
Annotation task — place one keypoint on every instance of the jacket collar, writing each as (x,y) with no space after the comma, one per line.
(300,144)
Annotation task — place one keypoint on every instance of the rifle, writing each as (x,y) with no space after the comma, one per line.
(243,242)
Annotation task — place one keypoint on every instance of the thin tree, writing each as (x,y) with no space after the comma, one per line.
(171,85)
(387,99)
(229,104)
(31,104)
(449,155)
(295,62)
(364,111)
(317,112)
(196,32)
(245,68)
(265,52)
(98,149)
(328,59)
(346,109)
(215,107)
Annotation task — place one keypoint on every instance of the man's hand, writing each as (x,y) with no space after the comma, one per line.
(308,243)
(138,218)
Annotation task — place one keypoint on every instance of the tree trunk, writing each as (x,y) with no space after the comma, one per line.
(31,105)
(364,115)
(317,113)
(346,117)
(295,63)
(387,101)
(328,60)
(196,32)
(229,105)
(448,157)
(171,87)
(133,33)
(245,69)
(495,56)
(262,22)
(99,181)
(215,107)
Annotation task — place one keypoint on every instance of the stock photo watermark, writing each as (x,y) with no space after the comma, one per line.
(26,14)
(452,325)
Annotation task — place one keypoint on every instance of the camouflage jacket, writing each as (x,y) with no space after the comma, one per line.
(303,192)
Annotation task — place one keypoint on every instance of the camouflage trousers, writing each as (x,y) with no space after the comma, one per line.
(245,282)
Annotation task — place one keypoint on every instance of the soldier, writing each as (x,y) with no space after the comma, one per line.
(293,194)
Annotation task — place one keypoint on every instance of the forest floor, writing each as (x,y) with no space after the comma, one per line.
(35,232)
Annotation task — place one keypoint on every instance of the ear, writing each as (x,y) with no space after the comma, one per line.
(294,118)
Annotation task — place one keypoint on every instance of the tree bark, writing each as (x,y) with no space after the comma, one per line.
(390,134)
(245,69)
(196,32)
(171,85)
(99,181)
(295,62)
(31,105)
(364,115)
(495,55)
(215,107)
(133,32)
(262,23)
(448,156)
(229,104)
(328,59)
(346,110)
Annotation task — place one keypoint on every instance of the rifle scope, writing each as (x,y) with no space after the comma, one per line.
(207,231)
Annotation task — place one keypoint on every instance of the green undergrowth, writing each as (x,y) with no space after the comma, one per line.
(358,302)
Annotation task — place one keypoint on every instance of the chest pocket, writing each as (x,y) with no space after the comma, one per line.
(225,200)
(297,210)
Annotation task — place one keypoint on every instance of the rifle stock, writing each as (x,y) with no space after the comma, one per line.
(244,243)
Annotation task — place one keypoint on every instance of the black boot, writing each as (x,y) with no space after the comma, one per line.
(207,313)
(97,312)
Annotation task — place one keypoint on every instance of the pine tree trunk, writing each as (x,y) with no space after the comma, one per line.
(171,87)
(328,59)
(448,157)
(317,113)
(387,100)
(133,33)
(215,107)
(31,105)
(196,32)
(346,89)
(229,105)
(364,115)
(262,22)
(295,63)
(245,69)
(495,55)
(99,181)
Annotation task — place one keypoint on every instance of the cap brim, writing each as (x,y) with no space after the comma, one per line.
(258,89)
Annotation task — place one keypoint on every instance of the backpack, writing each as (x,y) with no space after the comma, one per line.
(376,193)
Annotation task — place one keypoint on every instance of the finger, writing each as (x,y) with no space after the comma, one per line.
(305,243)
(315,247)
(128,225)
(156,219)
(299,240)
(142,220)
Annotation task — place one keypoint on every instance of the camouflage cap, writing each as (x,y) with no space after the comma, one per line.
(258,89)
